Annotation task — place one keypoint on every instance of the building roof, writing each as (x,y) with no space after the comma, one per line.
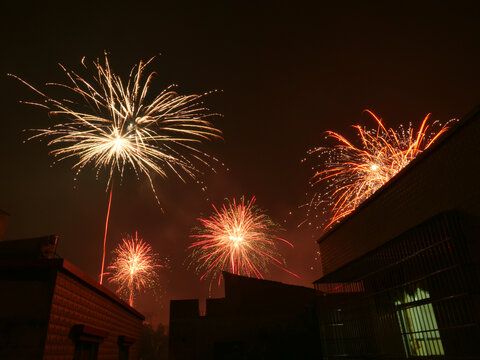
(239,280)
(31,248)
(67,267)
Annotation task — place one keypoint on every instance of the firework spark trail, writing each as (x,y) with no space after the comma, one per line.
(350,174)
(237,237)
(135,267)
(110,124)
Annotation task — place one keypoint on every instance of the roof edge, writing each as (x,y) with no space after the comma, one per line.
(229,274)
(79,274)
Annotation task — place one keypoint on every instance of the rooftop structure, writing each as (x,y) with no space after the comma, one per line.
(257,319)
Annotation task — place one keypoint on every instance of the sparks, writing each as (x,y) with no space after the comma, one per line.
(134,268)
(109,124)
(348,174)
(238,237)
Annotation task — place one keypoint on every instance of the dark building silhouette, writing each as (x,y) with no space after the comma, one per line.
(401,274)
(257,319)
(51,310)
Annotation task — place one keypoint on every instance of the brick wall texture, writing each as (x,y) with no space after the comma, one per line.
(77,303)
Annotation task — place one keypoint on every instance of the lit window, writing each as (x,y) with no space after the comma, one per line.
(418,324)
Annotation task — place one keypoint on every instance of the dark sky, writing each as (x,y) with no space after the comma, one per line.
(289,70)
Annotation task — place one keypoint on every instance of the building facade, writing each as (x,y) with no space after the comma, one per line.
(257,319)
(51,310)
(401,274)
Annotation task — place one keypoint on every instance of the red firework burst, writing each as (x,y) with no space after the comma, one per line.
(134,268)
(238,237)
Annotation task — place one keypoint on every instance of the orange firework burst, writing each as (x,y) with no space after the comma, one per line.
(239,237)
(350,174)
(134,267)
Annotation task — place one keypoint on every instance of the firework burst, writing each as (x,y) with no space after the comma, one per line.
(135,267)
(348,174)
(238,237)
(111,124)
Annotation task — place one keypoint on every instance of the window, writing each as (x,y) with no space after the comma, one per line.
(87,340)
(124,343)
(85,350)
(418,324)
(123,352)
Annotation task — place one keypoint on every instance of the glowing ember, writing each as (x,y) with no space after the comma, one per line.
(134,268)
(350,174)
(238,237)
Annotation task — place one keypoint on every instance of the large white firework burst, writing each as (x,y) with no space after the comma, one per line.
(111,124)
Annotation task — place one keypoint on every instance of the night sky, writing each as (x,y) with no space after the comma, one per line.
(288,72)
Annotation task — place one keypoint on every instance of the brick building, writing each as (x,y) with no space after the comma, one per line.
(401,274)
(50,309)
(257,319)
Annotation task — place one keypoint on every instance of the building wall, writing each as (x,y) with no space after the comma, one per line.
(24,306)
(184,318)
(446,178)
(258,319)
(75,302)
(420,298)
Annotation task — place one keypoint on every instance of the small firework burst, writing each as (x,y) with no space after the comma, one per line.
(238,237)
(347,174)
(135,267)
